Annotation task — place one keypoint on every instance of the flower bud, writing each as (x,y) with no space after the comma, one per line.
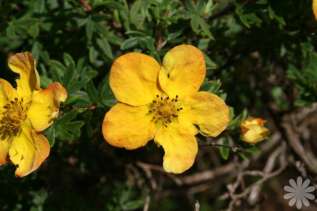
(253,130)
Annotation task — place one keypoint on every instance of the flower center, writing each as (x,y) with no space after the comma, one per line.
(14,112)
(164,109)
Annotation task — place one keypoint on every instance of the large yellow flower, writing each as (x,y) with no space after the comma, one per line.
(162,102)
(24,113)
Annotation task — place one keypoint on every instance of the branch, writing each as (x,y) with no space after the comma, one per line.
(294,141)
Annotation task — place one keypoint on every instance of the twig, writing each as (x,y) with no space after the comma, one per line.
(213,144)
(147,203)
(280,152)
(147,168)
(207,175)
(294,141)
(197,206)
(87,7)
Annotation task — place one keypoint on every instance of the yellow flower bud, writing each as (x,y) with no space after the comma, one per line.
(253,130)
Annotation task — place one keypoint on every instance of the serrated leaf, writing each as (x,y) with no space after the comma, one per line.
(67,128)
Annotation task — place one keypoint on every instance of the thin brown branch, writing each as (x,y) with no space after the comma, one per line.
(268,173)
(294,141)
(87,7)
(147,203)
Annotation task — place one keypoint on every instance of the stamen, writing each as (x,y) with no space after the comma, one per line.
(14,112)
(164,109)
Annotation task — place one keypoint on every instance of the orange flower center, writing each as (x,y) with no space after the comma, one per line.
(164,109)
(13,114)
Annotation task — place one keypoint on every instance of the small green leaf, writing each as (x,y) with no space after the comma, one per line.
(67,128)
(224,150)
(105,47)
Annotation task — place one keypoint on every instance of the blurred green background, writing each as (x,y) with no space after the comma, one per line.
(260,57)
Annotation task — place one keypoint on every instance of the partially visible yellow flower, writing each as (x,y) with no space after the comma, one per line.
(315,8)
(253,130)
(24,113)
(162,102)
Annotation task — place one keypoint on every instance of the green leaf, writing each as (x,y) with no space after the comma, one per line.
(212,86)
(67,127)
(90,29)
(50,134)
(133,205)
(224,150)
(129,43)
(34,30)
(105,47)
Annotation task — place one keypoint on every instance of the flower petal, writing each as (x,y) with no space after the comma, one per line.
(128,126)
(45,106)
(133,78)
(7,92)
(310,196)
(292,202)
(183,70)
(315,8)
(28,151)
(293,183)
(209,112)
(310,189)
(305,202)
(25,65)
(289,189)
(299,204)
(4,149)
(180,146)
(289,195)
(306,183)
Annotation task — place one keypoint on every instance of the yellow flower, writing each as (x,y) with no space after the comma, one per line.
(315,8)
(24,113)
(162,102)
(253,130)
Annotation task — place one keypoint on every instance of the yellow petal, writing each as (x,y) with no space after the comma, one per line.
(42,150)
(25,66)
(133,78)
(315,8)
(128,126)
(7,92)
(4,149)
(45,106)
(180,147)
(209,112)
(28,151)
(183,70)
